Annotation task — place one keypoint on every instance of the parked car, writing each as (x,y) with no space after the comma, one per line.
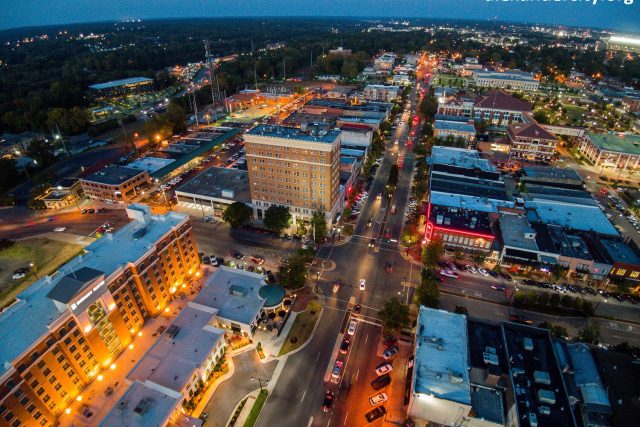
(357,308)
(337,369)
(378,399)
(381,382)
(390,353)
(362,284)
(328,401)
(383,368)
(344,347)
(483,272)
(352,327)
(257,259)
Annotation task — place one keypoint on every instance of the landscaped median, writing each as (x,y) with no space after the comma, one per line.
(257,407)
(302,327)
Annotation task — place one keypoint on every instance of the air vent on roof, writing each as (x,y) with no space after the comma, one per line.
(143,406)
(172,331)
(140,232)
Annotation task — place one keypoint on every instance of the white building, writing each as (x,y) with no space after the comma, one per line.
(381,93)
(510,79)
(385,61)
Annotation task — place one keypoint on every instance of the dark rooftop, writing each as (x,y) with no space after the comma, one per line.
(113,175)
(620,373)
(497,99)
(73,283)
(468,186)
(460,220)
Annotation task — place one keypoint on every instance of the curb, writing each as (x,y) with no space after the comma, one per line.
(244,398)
(313,332)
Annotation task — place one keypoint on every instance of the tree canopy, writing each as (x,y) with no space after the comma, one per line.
(277,218)
(394,314)
(319,227)
(237,214)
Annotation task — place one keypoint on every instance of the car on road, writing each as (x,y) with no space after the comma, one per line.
(345,345)
(483,272)
(449,273)
(370,222)
(378,399)
(336,287)
(494,274)
(383,368)
(357,308)
(519,319)
(390,353)
(351,330)
(257,259)
(18,275)
(337,369)
(375,413)
(238,255)
(328,401)
(388,267)
(381,382)
(59,229)
(363,283)
(499,288)
(372,243)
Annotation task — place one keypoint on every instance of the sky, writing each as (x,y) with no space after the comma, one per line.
(620,15)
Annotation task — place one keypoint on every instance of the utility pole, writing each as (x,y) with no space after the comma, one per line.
(195,107)
(207,52)
(284,70)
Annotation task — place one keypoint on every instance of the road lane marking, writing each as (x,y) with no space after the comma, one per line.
(366,338)
(303,395)
(310,422)
(328,422)
(318,357)
(357,373)
(345,419)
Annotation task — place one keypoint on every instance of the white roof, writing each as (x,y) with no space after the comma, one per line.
(461,157)
(441,360)
(172,361)
(23,323)
(142,406)
(462,201)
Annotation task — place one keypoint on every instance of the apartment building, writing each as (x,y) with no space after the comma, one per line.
(443,129)
(294,168)
(531,142)
(115,184)
(499,108)
(383,93)
(508,79)
(67,327)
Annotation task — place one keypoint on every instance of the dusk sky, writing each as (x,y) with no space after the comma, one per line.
(605,13)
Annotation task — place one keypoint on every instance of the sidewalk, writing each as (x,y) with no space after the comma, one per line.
(271,342)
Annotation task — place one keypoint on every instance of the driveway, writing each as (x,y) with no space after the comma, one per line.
(230,392)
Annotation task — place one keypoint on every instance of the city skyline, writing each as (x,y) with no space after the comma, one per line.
(619,16)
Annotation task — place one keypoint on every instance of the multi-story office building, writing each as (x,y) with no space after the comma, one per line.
(611,151)
(115,184)
(510,79)
(499,108)
(531,142)
(66,327)
(292,168)
(123,87)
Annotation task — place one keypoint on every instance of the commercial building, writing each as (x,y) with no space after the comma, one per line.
(499,108)
(624,258)
(213,190)
(292,168)
(571,216)
(340,51)
(456,105)
(509,79)
(66,327)
(531,142)
(440,389)
(16,145)
(115,184)
(184,356)
(64,193)
(612,151)
(443,129)
(381,93)
(565,178)
(384,62)
(123,87)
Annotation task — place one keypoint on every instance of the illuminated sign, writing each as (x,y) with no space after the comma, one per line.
(429,230)
(87,295)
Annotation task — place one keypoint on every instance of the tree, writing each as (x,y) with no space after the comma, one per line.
(237,214)
(292,272)
(393,175)
(428,293)
(394,314)
(319,227)
(432,252)
(590,333)
(541,117)
(555,330)
(277,218)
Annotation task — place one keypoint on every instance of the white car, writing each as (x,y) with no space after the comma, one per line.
(351,330)
(17,276)
(483,272)
(378,398)
(385,368)
(59,229)
(362,284)
(472,269)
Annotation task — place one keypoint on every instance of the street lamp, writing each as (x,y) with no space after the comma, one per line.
(32,265)
(266,382)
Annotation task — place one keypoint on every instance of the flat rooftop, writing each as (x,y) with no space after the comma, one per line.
(441,356)
(629,143)
(142,406)
(461,201)
(113,175)
(544,173)
(122,82)
(506,75)
(460,220)
(458,126)
(234,293)
(460,157)
(219,183)
(35,310)
(620,252)
(513,229)
(173,360)
(453,183)
(321,136)
(150,164)
(569,215)
(536,378)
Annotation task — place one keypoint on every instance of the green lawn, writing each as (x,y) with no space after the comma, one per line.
(574,113)
(47,255)
(257,407)
(302,327)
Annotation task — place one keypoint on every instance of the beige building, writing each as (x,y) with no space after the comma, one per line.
(532,142)
(115,184)
(296,169)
